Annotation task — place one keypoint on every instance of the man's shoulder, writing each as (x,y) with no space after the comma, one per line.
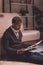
(7,30)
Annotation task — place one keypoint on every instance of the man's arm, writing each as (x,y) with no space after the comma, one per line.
(5,44)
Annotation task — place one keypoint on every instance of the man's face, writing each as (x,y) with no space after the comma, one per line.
(16,26)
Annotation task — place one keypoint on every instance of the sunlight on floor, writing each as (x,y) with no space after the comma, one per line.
(15,63)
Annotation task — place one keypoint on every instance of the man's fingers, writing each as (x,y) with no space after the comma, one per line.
(20,52)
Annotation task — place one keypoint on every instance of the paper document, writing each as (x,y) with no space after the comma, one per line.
(30,47)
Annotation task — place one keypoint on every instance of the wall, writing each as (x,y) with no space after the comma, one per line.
(39,4)
(0,5)
(6,6)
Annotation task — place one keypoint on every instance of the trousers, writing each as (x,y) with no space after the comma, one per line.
(33,57)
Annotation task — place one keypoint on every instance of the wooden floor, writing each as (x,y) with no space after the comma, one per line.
(15,63)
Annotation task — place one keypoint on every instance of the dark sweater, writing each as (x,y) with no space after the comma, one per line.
(9,40)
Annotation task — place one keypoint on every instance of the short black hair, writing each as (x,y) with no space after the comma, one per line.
(16,20)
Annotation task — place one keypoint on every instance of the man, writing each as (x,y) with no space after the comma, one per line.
(13,37)
(12,43)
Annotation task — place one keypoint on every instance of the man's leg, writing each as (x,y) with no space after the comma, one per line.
(37,57)
(34,57)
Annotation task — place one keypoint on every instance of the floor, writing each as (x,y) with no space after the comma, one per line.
(15,63)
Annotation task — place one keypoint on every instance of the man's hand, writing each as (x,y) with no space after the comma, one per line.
(20,51)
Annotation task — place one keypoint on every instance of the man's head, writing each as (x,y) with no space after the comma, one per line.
(16,22)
